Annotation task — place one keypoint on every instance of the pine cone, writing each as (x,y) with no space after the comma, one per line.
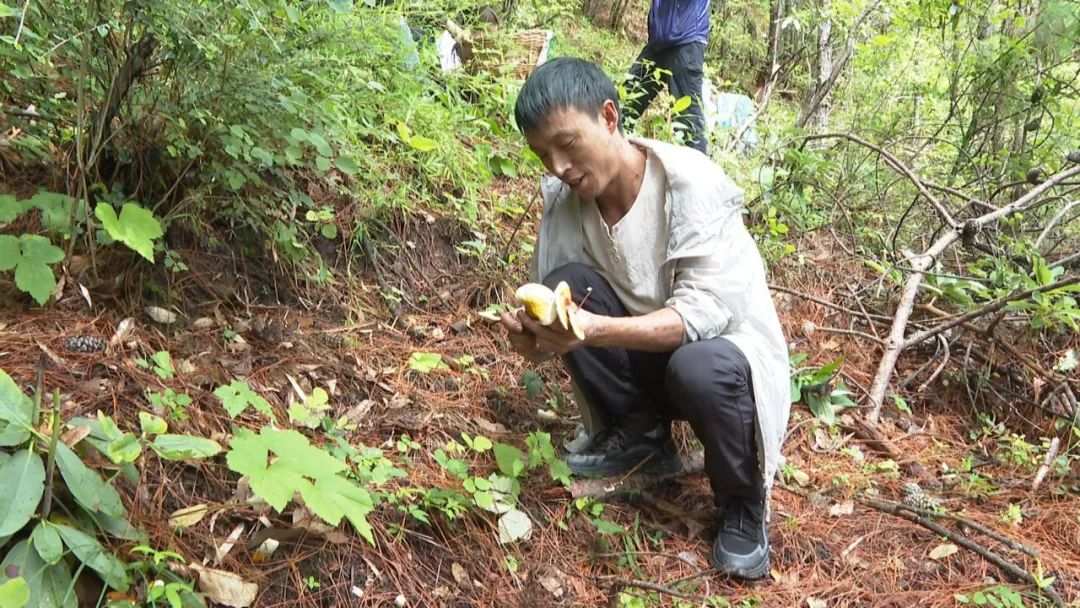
(914,497)
(85,344)
(331,340)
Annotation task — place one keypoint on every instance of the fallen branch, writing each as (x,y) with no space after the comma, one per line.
(619,584)
(1006,566)
(896,341)
(607,488)
(991,307)
(828,304)
(1051,454)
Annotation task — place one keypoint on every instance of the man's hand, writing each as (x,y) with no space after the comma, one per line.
(521,340)
(553,338)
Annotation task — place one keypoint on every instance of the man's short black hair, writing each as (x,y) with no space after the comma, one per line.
(563,82)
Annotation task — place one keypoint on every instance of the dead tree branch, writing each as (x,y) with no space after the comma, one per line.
(896,341)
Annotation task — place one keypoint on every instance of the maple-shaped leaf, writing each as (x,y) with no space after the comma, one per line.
(248,456)
(135,227)
(238,395)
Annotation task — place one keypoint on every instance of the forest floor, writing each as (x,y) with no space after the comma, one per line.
(830,546)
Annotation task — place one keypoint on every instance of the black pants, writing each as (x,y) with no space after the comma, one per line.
(706,383)
(686,64)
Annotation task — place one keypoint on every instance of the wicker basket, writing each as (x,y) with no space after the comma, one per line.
(493,51)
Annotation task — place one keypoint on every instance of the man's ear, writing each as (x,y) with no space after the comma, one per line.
(609,115)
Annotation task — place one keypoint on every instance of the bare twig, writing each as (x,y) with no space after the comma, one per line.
(896,342)
(1051,454)
(895,163)
(849,332)
(1053,222)
(828,304)
(1006,566)
(940,367)
(994,306)
(50,468)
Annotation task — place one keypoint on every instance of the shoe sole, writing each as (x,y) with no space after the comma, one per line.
(669,464)
(750,574)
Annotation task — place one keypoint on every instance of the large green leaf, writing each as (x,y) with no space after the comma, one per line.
(89,489)
(511,461)
(31,256)
(7,11)
(91,553)
(22,478)
(237,395)
(182,447)
(135,227)
(248,456)
(15,411)
(47,543)
(14,593)
(50,586)
(333,496)
(10,251)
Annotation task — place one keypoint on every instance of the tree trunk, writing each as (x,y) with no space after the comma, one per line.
(776,15)
(819,117)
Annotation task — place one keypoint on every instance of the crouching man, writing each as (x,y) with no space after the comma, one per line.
(678,322)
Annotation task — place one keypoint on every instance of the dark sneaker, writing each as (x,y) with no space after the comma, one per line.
(741,548)
(614,453)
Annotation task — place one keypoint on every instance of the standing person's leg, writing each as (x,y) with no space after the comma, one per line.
(687,65)
(611,379)
(642,85)
(709,384)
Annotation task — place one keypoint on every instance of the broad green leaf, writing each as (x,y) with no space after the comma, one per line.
(89,489)
(91,553)
(14,593)
(322,163)
(422,144)
(295,453)
(136,227)
(125,449)
(511,461)
(425,362)
(513,526)
(50,586)
(248,456)
(320,144)
(681,104)
(46,542)
(39,249)
(532,382)
(151,424)
(560,471)
(238,395)
(15,412)
(22,478)
(604,526)
(182,447)
(36,279)
(7,11)
(333,496)
(347,165)
(10,251)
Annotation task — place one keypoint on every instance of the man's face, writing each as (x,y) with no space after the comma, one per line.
(579,148)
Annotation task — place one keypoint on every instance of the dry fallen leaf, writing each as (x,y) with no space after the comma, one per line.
(225,587)
(813,602)
(123,330)
(74,435)
(943,550)
(203,323)
(188,516)
(554,582)
(223,549)
(842,508)
(161,315)
(460,575)
(801,477)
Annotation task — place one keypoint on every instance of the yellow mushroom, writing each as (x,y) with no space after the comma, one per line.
(547,306)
